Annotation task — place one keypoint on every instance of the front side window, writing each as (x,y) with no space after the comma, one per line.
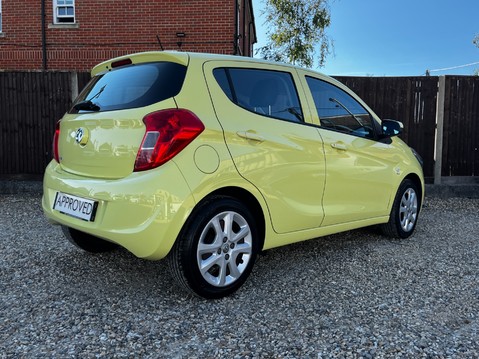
(64,11)
(265,92)
(0,15)
(131,87)
(339,111)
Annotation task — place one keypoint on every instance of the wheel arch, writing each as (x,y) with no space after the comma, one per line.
(183,257)
(417,181)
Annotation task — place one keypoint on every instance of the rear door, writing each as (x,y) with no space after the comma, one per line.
(272,144)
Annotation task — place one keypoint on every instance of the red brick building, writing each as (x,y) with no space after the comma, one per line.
(77,34)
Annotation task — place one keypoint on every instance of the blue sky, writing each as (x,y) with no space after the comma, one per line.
(397,38)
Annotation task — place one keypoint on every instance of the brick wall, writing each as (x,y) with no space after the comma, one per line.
(105,29)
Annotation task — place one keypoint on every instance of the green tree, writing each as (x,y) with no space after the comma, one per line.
(296,31)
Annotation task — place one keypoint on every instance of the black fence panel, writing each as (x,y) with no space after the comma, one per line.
(83,78)
(461,127)
(30,105)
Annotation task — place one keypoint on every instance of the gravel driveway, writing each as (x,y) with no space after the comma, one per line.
(355,294)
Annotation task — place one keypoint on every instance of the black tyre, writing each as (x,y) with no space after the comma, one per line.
(87,242)
(216,250)
(405,211)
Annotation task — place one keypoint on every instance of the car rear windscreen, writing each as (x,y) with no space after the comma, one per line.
(131,87)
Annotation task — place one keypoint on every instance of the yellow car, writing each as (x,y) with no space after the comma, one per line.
(209,159)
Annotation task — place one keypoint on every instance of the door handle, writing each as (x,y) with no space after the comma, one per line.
(339,146)
(250,135)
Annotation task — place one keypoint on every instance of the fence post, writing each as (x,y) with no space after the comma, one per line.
(74,85)
(441,96)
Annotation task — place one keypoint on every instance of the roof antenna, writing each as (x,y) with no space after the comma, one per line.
(159,41)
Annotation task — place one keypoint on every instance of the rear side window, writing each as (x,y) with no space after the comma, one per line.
(131,87)
(267,93)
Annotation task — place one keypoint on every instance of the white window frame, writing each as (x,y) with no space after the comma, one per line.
(57,4)
(1,16)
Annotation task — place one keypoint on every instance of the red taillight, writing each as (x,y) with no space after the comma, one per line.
(167,133)
(56,135)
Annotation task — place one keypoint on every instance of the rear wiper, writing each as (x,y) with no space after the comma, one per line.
(86,105)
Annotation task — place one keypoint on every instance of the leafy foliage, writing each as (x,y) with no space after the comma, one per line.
(296,28)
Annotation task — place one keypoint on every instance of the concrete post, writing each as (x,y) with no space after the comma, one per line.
(441,95)
(74,85)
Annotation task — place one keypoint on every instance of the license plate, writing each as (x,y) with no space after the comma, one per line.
(75,206)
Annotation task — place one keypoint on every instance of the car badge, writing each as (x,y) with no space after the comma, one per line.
(81,136)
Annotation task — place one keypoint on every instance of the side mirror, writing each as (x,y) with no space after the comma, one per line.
(391,128)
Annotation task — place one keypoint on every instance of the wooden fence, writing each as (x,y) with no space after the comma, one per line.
(30,105)
(460,148)
(32,102)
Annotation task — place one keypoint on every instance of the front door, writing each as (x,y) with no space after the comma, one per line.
(360,169)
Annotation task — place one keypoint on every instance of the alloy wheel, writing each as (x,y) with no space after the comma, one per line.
(224,249)
(408,210)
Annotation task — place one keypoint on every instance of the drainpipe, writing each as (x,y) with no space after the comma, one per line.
(44,39)
(243,28)
(236,35)
(250,45)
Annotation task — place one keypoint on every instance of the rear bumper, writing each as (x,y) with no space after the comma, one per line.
(143,212)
